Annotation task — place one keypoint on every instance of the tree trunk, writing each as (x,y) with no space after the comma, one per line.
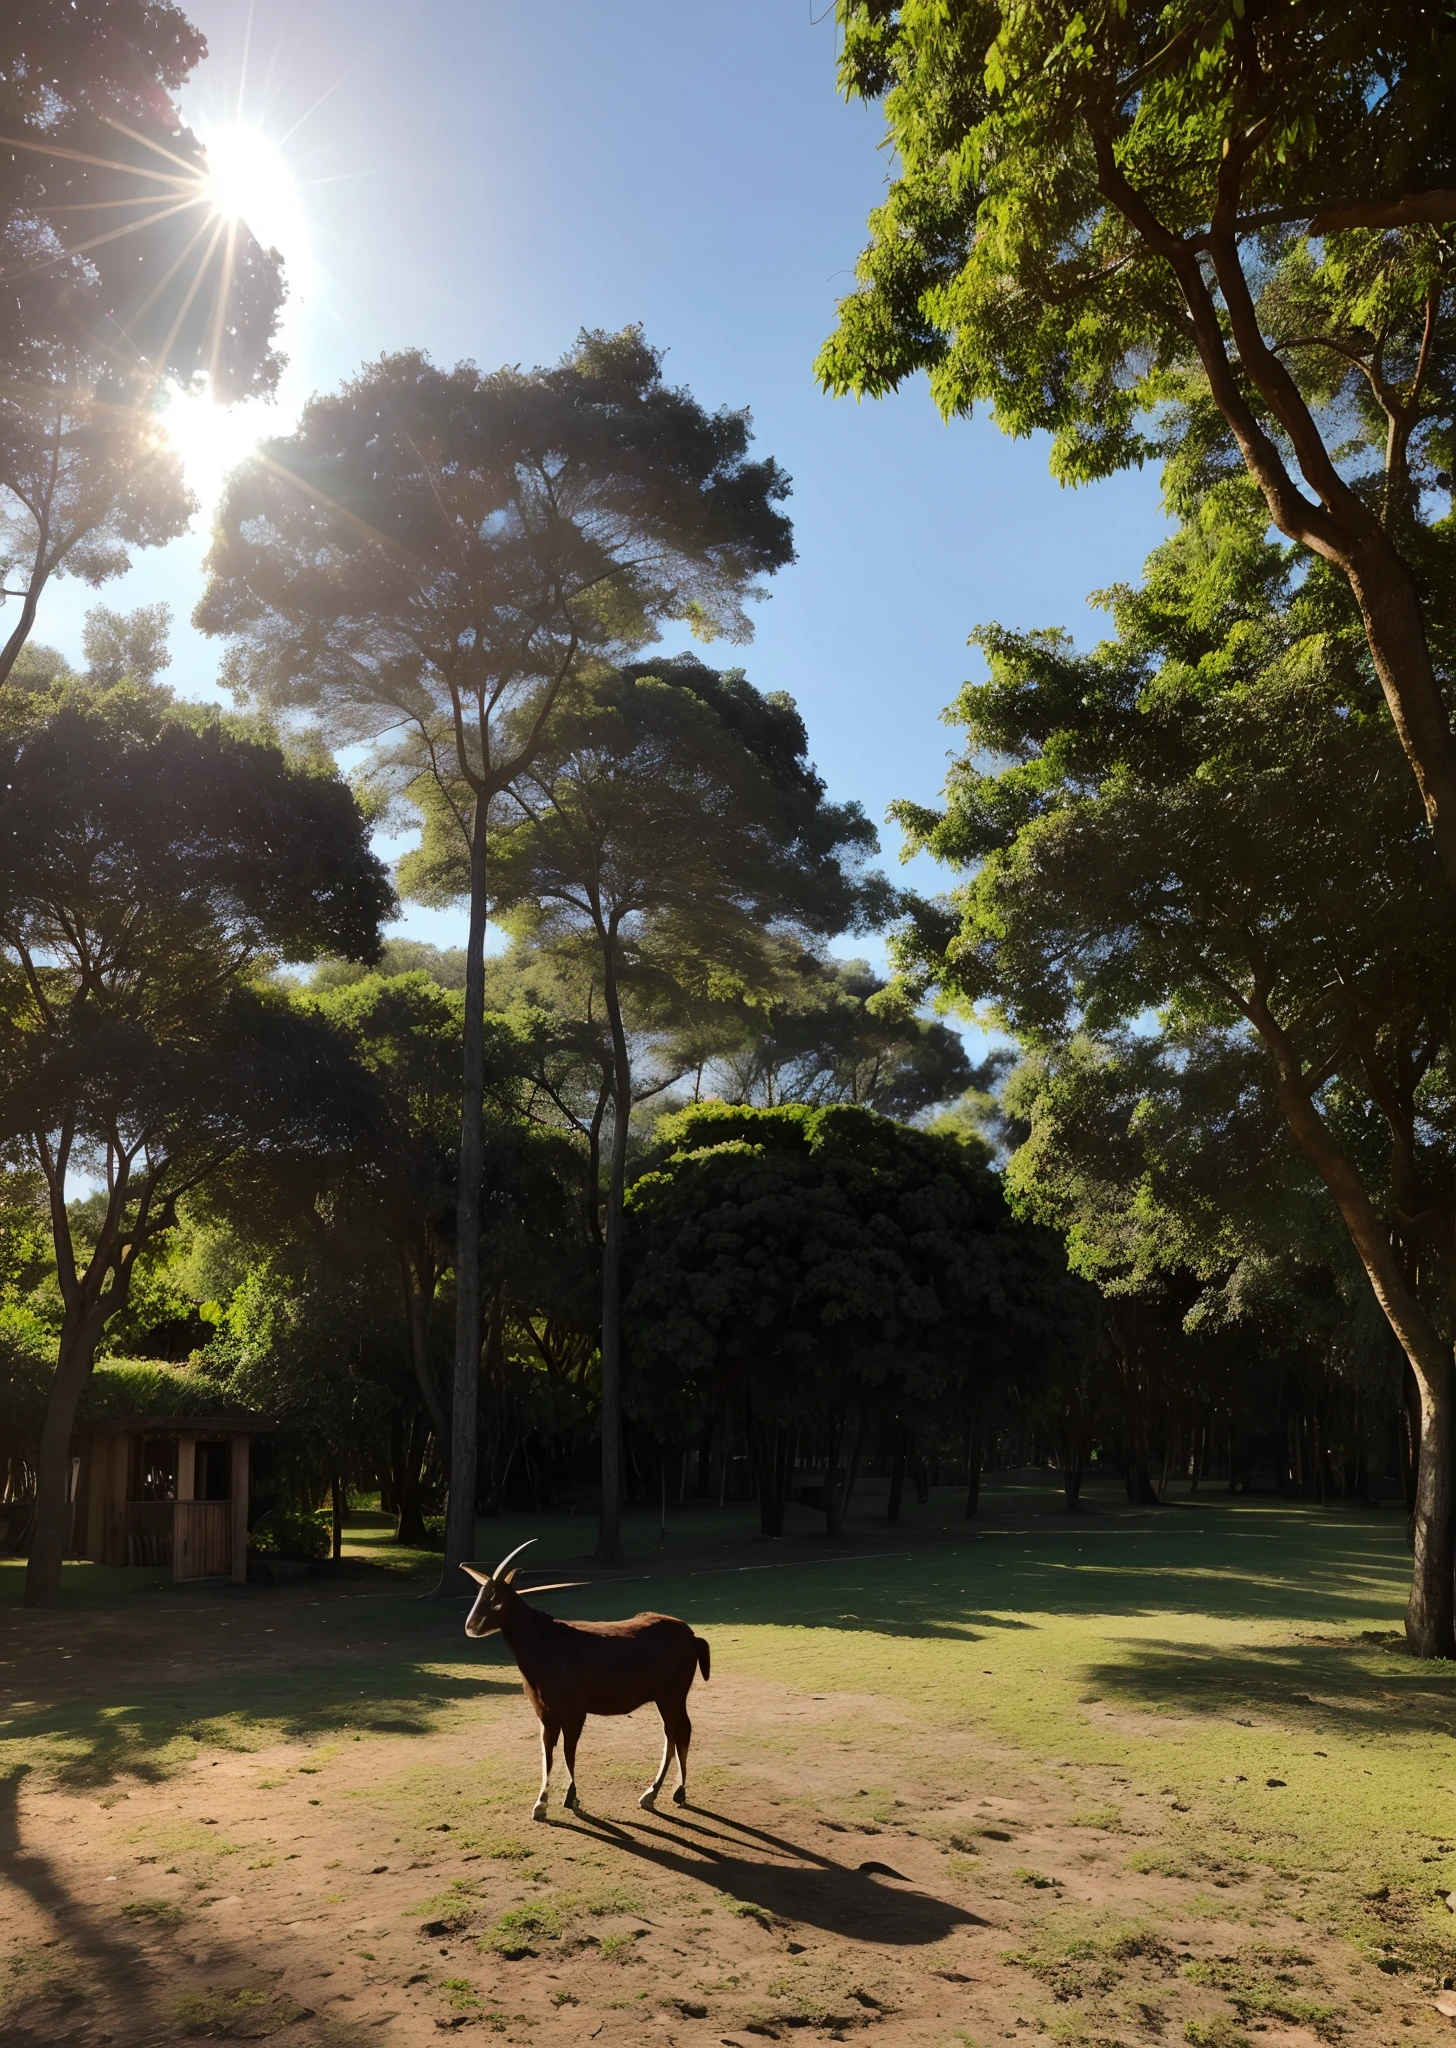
(1395,629)
(10,653)
(336,1503)
(974,1454)
(1409,1434)
(1430,1623)
(410,1527)
(705,1459)
(460,1507)
(417,1322)
(771,1453)
(609,1532)
(1140,1489)
(79,1338)
(837,1497)
(897,1479)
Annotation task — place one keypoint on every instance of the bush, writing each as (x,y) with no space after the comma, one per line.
(290,1533)
(434,1532)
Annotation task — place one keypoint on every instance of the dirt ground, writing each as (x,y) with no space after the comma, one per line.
(844,1869)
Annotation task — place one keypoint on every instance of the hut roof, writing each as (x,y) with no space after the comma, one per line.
(143,1393)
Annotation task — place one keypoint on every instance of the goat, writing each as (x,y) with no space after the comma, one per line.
(574,1668)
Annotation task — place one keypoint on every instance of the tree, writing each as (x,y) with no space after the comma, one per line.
(86,473)
(1217,230)
(1226,1275)
(111,241)
(664,827)
(120,273)
(142,872)
(1210,816)
(436,559)
(817,1268)
(836,1032)
(404,1031)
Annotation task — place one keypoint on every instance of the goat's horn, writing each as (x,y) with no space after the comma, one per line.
(480,1578)
(500,1568)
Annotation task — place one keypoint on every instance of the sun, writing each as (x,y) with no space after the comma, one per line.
(249,181)
(248,184)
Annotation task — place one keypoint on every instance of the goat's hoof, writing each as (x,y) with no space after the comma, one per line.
(571,1802)
(649,1798)
(680,1797)
(538,1811)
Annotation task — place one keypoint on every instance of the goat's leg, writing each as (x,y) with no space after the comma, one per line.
(682,1736)
(649,1797)
(570,1736)
(549,1733)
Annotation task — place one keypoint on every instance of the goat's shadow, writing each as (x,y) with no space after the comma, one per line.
(785,1878)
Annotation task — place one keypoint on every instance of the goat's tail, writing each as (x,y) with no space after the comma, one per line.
(704,1657)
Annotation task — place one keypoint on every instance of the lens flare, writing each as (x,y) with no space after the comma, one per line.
(248,180)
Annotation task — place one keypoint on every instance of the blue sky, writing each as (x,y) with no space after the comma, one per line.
(482,180)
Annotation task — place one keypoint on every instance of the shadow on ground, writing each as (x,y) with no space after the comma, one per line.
(1329,1685)
(775,1875)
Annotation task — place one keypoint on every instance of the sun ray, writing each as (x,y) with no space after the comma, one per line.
(100,163)
(132,227)
(189,170)
(220,301)
(162,283)
(192,290)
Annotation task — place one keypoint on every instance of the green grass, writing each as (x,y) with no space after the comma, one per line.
(1180,1659)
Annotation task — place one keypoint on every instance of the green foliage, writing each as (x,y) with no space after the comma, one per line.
(814,1263)
(1048,241)
(132,1386)
(134,1047)
(834,1031)
(290,1533)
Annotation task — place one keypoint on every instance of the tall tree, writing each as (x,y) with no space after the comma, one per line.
(1224,227)
(118,272)
(1209,815)
(149,855)
(435,561)
(665,826)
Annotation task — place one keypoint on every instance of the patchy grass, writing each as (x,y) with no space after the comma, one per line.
(1154,1753)
(1271,1984)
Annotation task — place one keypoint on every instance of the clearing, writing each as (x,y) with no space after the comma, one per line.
(1128,1777)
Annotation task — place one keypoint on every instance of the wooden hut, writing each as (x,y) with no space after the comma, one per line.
(164,1489)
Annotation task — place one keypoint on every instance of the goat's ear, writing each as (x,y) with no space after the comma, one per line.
(509,1578)
(480,1578)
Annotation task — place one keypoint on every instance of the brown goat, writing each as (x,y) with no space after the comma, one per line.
(574,1668)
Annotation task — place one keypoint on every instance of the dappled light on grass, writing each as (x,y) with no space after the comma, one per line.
(153,1738)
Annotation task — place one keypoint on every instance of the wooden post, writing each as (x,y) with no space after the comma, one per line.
(113,1460)
(238,1494)
(186,1480)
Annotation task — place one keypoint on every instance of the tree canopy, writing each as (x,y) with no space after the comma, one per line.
(1209,817)
(820,1264)
(1208,232)
(435,561)
(142,874)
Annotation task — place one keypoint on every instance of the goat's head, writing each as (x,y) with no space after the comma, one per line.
(484,1617)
